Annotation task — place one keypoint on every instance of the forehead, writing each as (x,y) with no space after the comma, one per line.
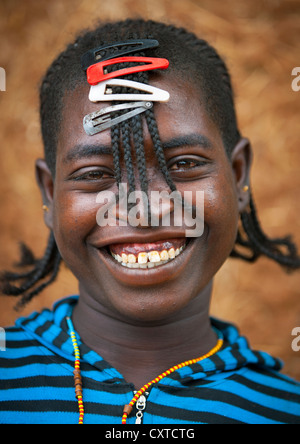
(184,115)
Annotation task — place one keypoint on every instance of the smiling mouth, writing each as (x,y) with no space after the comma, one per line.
(147,255)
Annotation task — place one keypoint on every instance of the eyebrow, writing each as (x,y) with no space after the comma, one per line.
(87,151)
(188,140)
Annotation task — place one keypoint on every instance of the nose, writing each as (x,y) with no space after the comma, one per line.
(143,210)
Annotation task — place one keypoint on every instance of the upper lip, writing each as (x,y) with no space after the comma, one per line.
(139,237)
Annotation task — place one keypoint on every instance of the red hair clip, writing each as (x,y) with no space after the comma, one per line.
(96,73)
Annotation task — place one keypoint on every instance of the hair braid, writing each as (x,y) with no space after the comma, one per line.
(259,244)
(138,138)
(47,266)
(125,130)
(115,145)
(153,129)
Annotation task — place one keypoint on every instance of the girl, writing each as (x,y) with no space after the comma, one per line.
(139,334)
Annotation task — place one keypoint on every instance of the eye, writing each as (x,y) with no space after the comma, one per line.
(189,168)
(185,164)
(92,175)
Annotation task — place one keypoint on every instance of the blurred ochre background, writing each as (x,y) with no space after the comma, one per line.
(260,41)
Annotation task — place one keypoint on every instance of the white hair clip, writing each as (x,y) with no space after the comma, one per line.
(103,92)
(99,121)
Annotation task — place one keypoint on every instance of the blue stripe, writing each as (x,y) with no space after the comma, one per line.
(36,393)
(38,418)
(32,370)
(215,407)
(16,354)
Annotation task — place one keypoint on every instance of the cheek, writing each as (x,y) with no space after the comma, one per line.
(221,212)
(74,218)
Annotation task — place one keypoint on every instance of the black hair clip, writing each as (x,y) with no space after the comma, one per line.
(94,55)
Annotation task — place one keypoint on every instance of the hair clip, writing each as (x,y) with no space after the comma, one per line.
(103,92)
(129,47)
(101,120)
(96,73)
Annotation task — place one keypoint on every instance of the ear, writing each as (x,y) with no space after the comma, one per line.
(241,161)
(45,182)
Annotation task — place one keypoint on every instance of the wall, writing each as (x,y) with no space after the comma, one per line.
(260,41)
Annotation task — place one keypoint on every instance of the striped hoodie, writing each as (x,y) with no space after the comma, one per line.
(235,386)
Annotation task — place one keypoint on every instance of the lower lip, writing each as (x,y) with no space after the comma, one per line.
(137,277)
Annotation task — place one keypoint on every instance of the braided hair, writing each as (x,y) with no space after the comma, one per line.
(206,69)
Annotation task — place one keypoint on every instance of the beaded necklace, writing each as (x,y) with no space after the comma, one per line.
(77,372)
(129,407)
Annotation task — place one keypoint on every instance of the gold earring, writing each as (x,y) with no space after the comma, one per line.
(45,208)
(246,188)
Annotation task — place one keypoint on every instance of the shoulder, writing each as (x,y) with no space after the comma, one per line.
(19,349)
(270,395)
(271,382)
(24,355)
(14,339)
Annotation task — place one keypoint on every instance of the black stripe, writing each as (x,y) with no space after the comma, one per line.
(45,405)
(61,339)
(10,344)
(64,325)
(220,366)
(262,362)
(53,359)
(260,359)
(267,390)
(14,330)
(104,409)
(43,328)
(211,394)
(48,405)
(219,363)
(31,360)
(188,415)
(39,381)
(98,365)
(241,360)
(65,382)
(277,376)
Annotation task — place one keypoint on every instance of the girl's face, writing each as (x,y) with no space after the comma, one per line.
(197,161)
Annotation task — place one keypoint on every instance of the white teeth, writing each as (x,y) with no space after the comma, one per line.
(131,259)
(148,260)
(143,258)
(154,256)
(171,253)
(164,255)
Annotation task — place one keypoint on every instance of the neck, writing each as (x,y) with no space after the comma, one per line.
(141,351)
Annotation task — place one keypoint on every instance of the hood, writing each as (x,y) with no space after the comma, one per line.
(50,329)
